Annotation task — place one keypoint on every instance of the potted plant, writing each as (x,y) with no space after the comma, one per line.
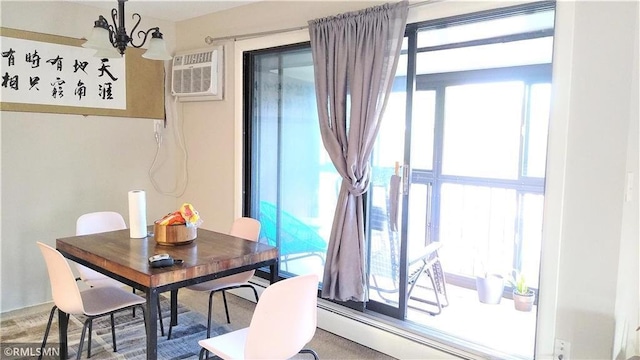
(523,297)
(489,286)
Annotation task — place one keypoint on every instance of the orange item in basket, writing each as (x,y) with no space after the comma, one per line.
(172,219)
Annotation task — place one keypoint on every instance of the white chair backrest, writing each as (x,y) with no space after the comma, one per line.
(64,289)
(97,222)
(92,223)
(284,320)
(246,228)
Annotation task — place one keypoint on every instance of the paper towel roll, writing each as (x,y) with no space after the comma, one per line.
(137,214)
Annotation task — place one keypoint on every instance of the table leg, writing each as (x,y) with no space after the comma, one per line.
(63,324)
(174,307)
(152,326)
(273,272)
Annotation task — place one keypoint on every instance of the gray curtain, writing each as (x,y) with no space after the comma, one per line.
(355,56)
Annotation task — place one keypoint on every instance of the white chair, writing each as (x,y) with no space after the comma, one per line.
(246,228)
(98,222)
(93,223)
(92,303)
(283,322)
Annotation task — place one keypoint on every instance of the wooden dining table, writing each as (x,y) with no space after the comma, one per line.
(210,256)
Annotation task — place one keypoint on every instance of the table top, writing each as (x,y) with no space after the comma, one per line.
(125,258)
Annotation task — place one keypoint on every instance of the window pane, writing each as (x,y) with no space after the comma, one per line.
(417,233)
(482,130)
(535,151)
(384,239)
(390,140)
(290,162)
(532,205)
(477,227)
(424,112)
(525,52)
(486,29)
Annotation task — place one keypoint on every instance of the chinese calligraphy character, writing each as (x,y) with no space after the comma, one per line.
(104,92)
(9,81)
(34,59)
(9,55)
(57,61)
(33,81)
(57,88)
(80,65)
(105,69)
(81,90)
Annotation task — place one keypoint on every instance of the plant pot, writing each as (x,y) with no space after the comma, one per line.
(523,302)
(490,289)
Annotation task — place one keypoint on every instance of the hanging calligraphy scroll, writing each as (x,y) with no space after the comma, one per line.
(47,73)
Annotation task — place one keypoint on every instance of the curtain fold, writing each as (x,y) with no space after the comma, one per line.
(355,56)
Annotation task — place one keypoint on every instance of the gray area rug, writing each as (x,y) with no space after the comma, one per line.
(28,330)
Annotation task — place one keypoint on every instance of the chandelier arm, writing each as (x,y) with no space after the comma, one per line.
(112,35)
(133,31)
(146,34)
(120,38)
(114,18)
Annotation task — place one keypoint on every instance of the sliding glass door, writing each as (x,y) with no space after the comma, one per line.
(292,184)
(464,135)
(457,181)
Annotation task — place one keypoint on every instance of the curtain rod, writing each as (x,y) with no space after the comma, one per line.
(210,40)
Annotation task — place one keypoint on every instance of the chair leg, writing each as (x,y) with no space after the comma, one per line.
(46,332)
(144,319)
(434,284)
(442,282)
(209,314)
(226,308)
(90,331)
(255,292)
(113,333)
(309,351)
(84,329)
(160,318)
(161,326)
(133,311)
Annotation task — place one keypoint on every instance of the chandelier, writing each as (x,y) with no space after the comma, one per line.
(111,41)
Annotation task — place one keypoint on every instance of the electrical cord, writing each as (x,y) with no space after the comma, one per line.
(178,134)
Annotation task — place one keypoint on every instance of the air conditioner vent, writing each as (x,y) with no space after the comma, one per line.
(198,74)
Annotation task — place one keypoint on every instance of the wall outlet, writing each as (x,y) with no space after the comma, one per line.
(562,350)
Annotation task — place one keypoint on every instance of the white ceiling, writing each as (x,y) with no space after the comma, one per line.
(175,10)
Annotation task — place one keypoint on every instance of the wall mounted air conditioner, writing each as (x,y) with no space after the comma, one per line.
(198,75)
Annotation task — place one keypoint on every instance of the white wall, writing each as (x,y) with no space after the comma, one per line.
(586,176)
(627,312)
(56,167)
